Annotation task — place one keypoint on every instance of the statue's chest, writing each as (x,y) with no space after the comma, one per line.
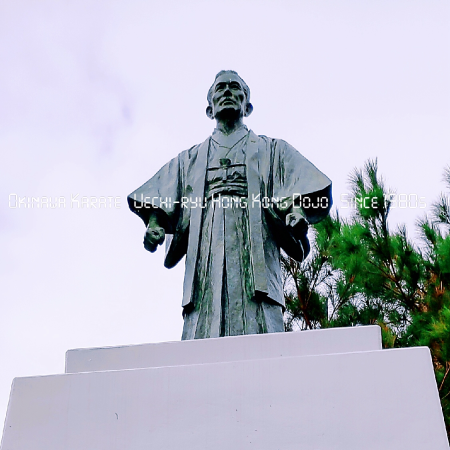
(226,171)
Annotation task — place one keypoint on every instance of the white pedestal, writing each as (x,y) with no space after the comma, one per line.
(234,348)
(371,400)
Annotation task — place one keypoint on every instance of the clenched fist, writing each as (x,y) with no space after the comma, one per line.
(297,222)
(154,235)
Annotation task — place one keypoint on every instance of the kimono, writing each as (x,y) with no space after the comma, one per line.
(223,204)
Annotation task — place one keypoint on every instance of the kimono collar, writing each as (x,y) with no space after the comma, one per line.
(230,140)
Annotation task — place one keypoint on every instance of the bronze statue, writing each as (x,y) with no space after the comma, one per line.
(229,204)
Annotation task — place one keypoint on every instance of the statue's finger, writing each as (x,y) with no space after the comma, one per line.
(149,246)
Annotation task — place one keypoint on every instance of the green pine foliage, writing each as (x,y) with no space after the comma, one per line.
(360,272)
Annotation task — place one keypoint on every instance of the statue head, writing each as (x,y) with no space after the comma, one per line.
(228,96)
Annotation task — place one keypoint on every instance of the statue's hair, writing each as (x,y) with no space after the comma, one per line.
(244,85)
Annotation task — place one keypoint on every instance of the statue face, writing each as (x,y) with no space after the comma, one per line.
(228,96)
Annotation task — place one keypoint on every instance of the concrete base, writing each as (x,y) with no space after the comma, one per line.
(233,348)
(382,399)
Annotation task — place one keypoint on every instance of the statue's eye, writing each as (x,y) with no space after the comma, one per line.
(235,86)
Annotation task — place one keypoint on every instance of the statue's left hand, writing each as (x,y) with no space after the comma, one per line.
(297,222)
(299,227)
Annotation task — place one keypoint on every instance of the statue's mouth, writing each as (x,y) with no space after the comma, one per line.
(228,100)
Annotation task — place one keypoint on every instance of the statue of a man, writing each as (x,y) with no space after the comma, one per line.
(229,204)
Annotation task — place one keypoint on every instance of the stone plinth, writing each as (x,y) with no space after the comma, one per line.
(233,348)
(371,400)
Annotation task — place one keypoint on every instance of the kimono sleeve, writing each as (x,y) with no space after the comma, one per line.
(301,186)
(160,195)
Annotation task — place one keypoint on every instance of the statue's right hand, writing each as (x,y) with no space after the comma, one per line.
(154,236)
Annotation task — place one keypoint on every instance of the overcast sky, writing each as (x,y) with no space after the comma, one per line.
(95,96)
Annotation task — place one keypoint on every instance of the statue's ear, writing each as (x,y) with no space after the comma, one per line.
(248,109)
(209,112)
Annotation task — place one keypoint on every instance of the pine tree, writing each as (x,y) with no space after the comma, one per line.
(361,273)
(431,327)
